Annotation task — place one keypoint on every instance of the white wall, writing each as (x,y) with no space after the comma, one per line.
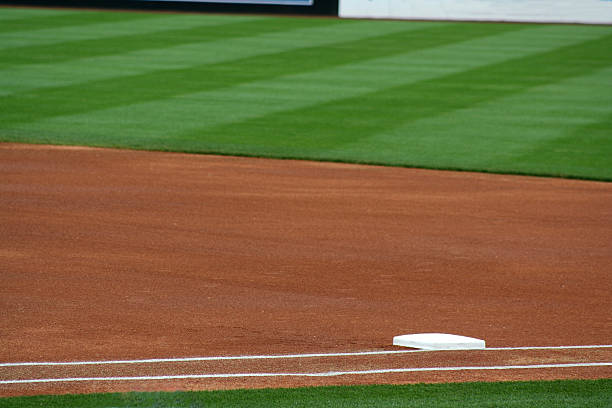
(553,11)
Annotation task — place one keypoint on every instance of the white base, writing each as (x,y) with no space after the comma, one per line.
(438,341)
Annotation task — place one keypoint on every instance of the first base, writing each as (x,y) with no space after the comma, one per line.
(438,341)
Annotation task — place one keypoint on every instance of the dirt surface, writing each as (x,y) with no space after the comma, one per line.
(108,254)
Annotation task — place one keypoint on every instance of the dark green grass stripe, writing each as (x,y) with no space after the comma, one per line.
(69,50)
(75,99)
(536,394)
(328,126)
(68,19)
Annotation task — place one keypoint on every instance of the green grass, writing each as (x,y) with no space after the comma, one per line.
(508,98)
(567,394)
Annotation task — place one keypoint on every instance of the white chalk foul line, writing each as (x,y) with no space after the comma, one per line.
(320,374)
(214,358)
(280,356)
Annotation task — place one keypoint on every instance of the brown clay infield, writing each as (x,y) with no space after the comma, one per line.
(110,254)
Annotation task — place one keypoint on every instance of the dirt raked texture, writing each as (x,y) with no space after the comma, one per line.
(108,254)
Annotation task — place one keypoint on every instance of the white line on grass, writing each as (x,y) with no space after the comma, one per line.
(280,356)
(320,374)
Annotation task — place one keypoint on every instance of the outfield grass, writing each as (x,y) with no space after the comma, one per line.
(554,394)
(510,98)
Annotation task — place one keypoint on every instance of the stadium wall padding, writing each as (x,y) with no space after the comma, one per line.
(318,7)
(546,11)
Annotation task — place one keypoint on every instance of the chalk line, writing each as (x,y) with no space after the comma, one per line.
(319,374)
(281,356)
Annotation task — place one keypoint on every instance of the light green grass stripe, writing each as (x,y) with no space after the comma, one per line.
(126,24)
(189,116)
(29,77)
(549,130)
(204,30)
(163,84)
(16,13)
(29,21)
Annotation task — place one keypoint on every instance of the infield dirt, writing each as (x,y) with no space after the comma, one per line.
(110,254)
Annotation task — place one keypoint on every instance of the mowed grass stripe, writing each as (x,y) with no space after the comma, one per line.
(584,151)
(124,24)
(192,31)
(317,131)
(356,80)
(187,119)
(69,100)
(544,130)
(27,77)
(17,13)
(24,21)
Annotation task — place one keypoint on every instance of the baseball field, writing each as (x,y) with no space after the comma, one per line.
(244,210)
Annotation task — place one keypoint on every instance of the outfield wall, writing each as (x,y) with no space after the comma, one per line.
(546,11)
(308,7)
(549,11)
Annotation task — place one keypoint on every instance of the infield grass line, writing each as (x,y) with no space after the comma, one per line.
(318,374)
(284,356)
